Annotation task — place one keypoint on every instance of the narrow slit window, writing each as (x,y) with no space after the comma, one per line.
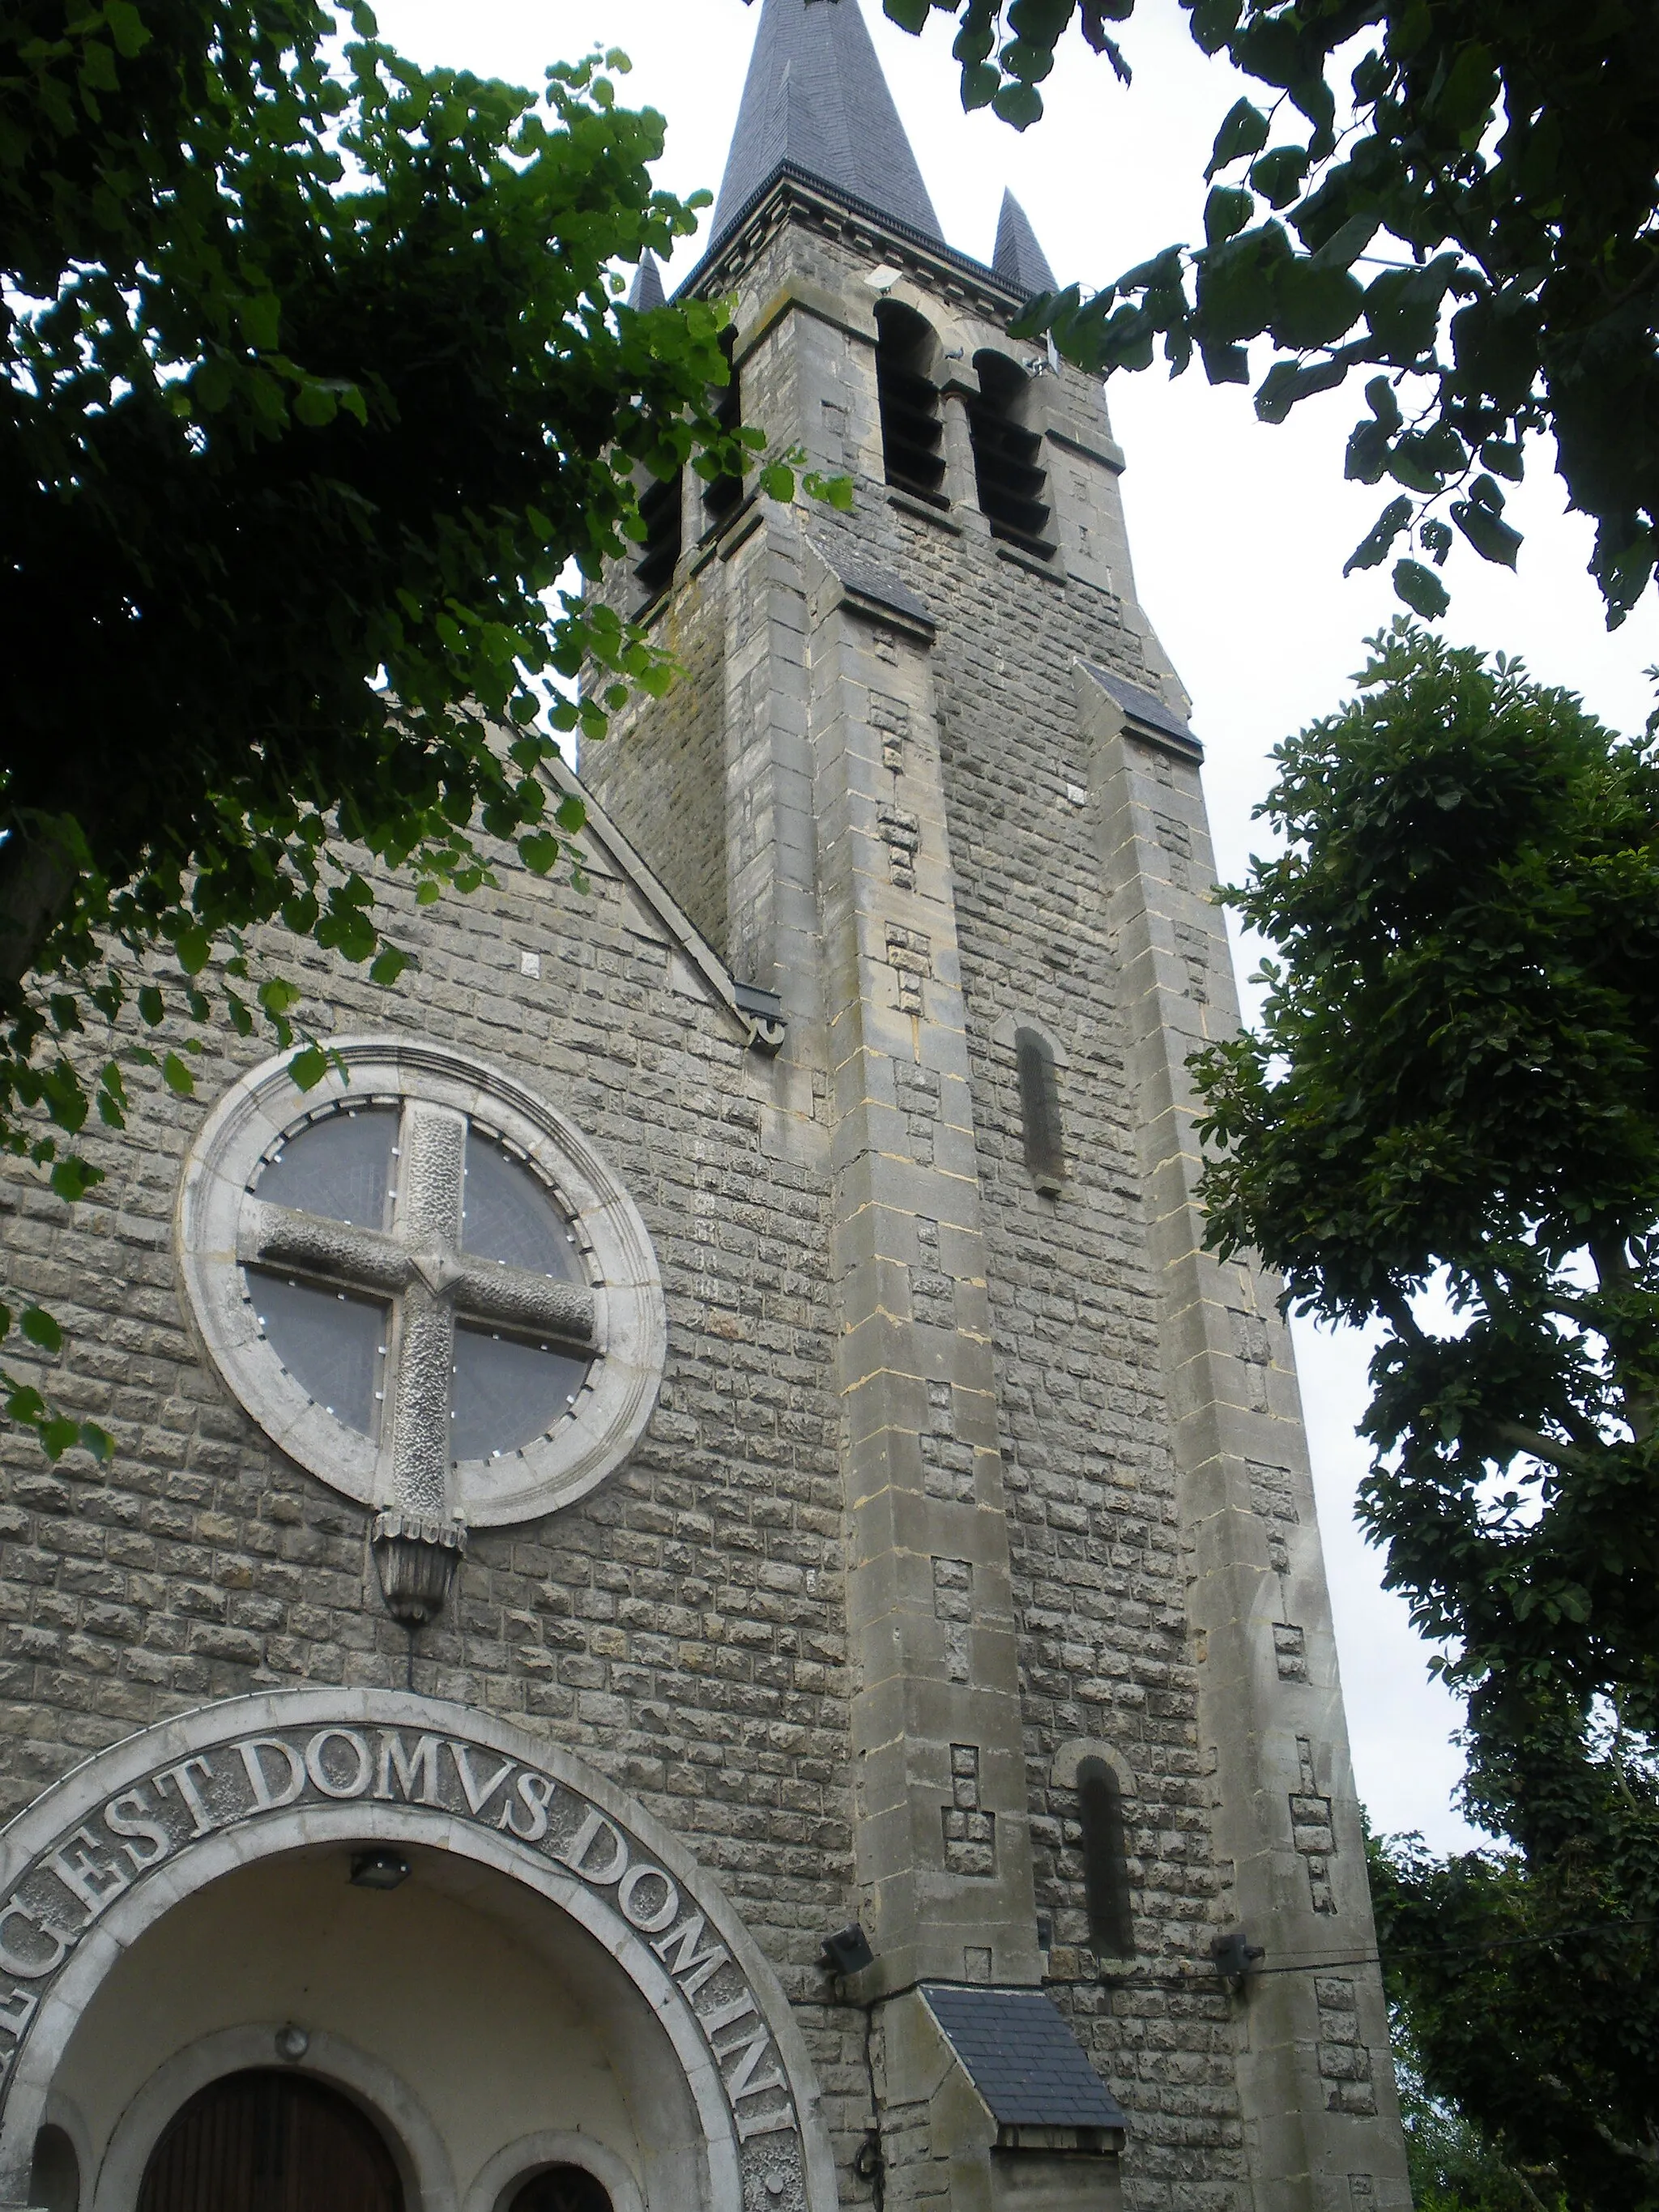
(1039,1106)
(1105,1861)
(912,431)
(724,492)
(659,557)
(1013,485)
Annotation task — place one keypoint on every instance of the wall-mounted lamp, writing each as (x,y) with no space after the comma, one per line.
(1234,1956)
(848,1951)
(379,1869)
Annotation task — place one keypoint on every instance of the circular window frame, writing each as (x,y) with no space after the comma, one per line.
(631,1327)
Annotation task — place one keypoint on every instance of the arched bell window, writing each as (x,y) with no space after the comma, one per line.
(1013,485)
(912,431)
(1105,1861)
(1039,1107)
(661,505)
(723,493)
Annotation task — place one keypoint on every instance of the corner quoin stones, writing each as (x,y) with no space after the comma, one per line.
(373,1767)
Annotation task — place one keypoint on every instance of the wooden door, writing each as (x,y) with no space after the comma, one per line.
(270,2141)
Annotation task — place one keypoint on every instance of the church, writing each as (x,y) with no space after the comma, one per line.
(706,1601)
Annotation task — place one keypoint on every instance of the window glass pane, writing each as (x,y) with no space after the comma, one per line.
(508,1215)
(333,1345)
(339,1165)
(507,1393)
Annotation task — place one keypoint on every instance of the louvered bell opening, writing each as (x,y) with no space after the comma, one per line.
(723,493)
(1007,460)
(912,434)
(659,510)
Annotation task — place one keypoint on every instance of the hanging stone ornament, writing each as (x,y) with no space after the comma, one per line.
(427,1288)
(416,1559)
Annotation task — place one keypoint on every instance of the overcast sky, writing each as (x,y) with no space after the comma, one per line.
(1239,532)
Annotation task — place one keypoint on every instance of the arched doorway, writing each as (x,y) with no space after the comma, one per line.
(562,2189)
(270,2141)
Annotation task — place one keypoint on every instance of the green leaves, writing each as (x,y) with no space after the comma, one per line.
(307,423)
(1421,589)
(1495,194)
(1448,1128)
(40,1328)
(1243,132)
(1225,212)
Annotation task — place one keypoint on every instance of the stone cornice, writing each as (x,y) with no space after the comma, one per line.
(791,195)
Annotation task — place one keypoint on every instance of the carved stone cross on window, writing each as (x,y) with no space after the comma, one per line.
(423,1267)
(429,1291)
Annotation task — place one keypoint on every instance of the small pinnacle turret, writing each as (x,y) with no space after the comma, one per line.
(815,101)
(1019,259)
(646,291)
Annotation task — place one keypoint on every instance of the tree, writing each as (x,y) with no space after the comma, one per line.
(1526,2020)
(1448,1124)
(1492,161)
(312,379)
(1452,2166)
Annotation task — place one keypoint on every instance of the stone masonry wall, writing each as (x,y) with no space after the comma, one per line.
(661,770)
(1097,1544)
(1097,1541)
(683,1628)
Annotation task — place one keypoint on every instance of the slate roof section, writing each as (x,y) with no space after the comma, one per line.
(647,292)
(1023,2058)
(814,101)
(1019,259)
(875,588)
(1147,708)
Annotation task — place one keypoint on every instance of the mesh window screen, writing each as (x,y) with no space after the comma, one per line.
(339,1165)
(333,1345)
(507,1392)
(508,1216)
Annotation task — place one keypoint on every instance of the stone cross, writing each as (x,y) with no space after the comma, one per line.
(421,1270)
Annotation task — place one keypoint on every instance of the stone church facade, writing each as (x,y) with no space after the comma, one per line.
(706,1599)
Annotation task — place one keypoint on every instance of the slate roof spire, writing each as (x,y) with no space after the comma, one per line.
(646,291)
(1019,259)
(815,99)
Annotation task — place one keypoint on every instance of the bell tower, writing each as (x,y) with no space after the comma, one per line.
(927,785)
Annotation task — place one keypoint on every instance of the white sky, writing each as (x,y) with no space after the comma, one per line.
(1238,531)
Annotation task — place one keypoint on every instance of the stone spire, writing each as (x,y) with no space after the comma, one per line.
(815,100)
(646,292)
(1019,259)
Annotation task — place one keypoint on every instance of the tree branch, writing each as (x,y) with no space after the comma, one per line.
(1537,1445)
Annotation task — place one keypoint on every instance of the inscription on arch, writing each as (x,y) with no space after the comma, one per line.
(431,1773)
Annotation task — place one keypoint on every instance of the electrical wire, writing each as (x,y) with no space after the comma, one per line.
(1202,1974)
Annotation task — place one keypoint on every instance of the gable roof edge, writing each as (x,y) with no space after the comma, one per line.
(757,1012)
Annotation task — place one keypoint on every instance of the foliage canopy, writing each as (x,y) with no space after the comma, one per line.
(1491,165)
(313,377)
(1448,1126)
